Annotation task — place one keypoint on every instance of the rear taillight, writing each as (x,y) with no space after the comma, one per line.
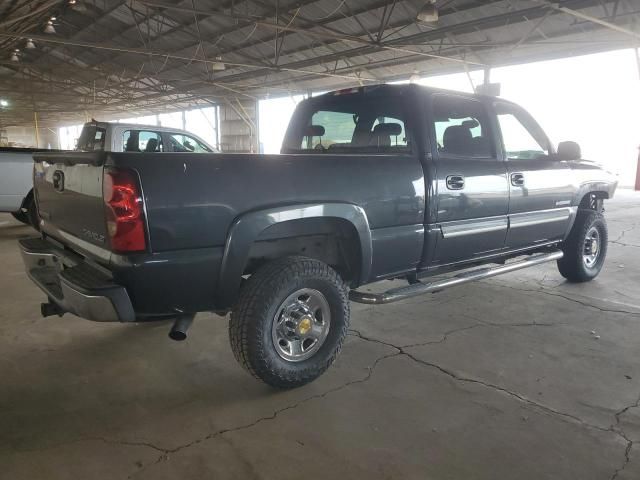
(124,211)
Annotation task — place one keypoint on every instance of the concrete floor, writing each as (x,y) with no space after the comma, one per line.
(501,379)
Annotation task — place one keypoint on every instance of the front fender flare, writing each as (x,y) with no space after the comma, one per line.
(247,228)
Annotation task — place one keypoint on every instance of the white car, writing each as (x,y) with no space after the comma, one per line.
(16,164)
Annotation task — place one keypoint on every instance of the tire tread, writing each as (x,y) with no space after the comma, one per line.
(571,265)
(254,302)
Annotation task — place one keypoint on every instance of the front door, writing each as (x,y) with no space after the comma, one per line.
(471,181)
(540,186)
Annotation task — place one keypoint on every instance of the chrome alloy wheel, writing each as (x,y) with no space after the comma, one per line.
(591,250)
(301,325)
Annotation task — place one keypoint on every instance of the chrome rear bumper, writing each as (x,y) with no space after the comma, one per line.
(75,286)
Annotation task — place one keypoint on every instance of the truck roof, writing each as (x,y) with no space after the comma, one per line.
(396,89)
(139,126)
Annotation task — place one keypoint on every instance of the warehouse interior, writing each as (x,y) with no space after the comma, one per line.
(521,376)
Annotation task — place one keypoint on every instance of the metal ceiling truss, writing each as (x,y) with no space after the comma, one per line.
(150,56)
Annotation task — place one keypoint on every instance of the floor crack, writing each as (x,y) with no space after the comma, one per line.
(445,336)
(566,297)
(623,233)
(623,244)
(166,452)
(564,416)
(618,429)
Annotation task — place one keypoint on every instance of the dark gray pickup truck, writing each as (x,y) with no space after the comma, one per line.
(382,182)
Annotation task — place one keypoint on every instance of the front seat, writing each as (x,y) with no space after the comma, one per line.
(382,133)
(457,140)
(152,145)
(132,144)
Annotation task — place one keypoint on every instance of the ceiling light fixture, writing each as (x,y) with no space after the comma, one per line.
(218,65)
(415,77)
(30,45)
(428,13)
(14,55)
(77,6)
(4,103)
(49,27)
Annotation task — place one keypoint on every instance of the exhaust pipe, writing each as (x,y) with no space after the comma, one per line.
(179,330)
(50,309)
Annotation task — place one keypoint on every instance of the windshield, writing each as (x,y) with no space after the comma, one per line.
(91,138)
(348,124)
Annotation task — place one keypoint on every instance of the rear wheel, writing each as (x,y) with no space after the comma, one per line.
(585,248)
(290,321)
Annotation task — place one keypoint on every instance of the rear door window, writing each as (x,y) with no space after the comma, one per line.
(142,141)
(461,127)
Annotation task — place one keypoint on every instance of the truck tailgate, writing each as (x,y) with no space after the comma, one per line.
(68,189)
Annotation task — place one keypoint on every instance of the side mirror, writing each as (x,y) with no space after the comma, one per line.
(569,151)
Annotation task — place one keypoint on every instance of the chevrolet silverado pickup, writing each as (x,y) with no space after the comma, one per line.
(16,164)
(372,183)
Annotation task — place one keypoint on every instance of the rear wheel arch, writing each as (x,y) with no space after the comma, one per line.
(348,220)
(332,240)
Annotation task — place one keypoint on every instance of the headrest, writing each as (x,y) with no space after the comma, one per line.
(470,124)
(314,131)
(132,144)
(392,129)
(152,144)
(457,139)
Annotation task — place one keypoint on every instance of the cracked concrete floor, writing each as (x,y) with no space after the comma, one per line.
(498,379)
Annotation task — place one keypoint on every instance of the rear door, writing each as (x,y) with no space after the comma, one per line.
(540,186)
(472,190)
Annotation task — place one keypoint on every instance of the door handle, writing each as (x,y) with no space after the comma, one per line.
(455,182)
(517,179)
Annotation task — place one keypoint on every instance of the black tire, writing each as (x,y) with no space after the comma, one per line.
(573,265)
(21,216)
(32,212)
(261,299)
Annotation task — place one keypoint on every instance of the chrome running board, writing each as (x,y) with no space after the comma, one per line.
(397,294)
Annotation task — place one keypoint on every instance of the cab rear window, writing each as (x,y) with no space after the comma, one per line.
(91,139)
(349,124)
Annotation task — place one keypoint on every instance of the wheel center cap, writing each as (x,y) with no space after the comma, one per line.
(594,247)
(304,326)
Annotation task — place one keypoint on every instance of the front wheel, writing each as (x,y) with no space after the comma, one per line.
(585,248)
(290,321)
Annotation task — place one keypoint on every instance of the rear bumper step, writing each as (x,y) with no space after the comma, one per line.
(77,288)
(397,294)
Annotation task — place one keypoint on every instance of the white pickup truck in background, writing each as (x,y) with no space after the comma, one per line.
(16,183)
(16,164)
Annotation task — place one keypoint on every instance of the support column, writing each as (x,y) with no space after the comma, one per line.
(637,50)
(239,126)
(35,120)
